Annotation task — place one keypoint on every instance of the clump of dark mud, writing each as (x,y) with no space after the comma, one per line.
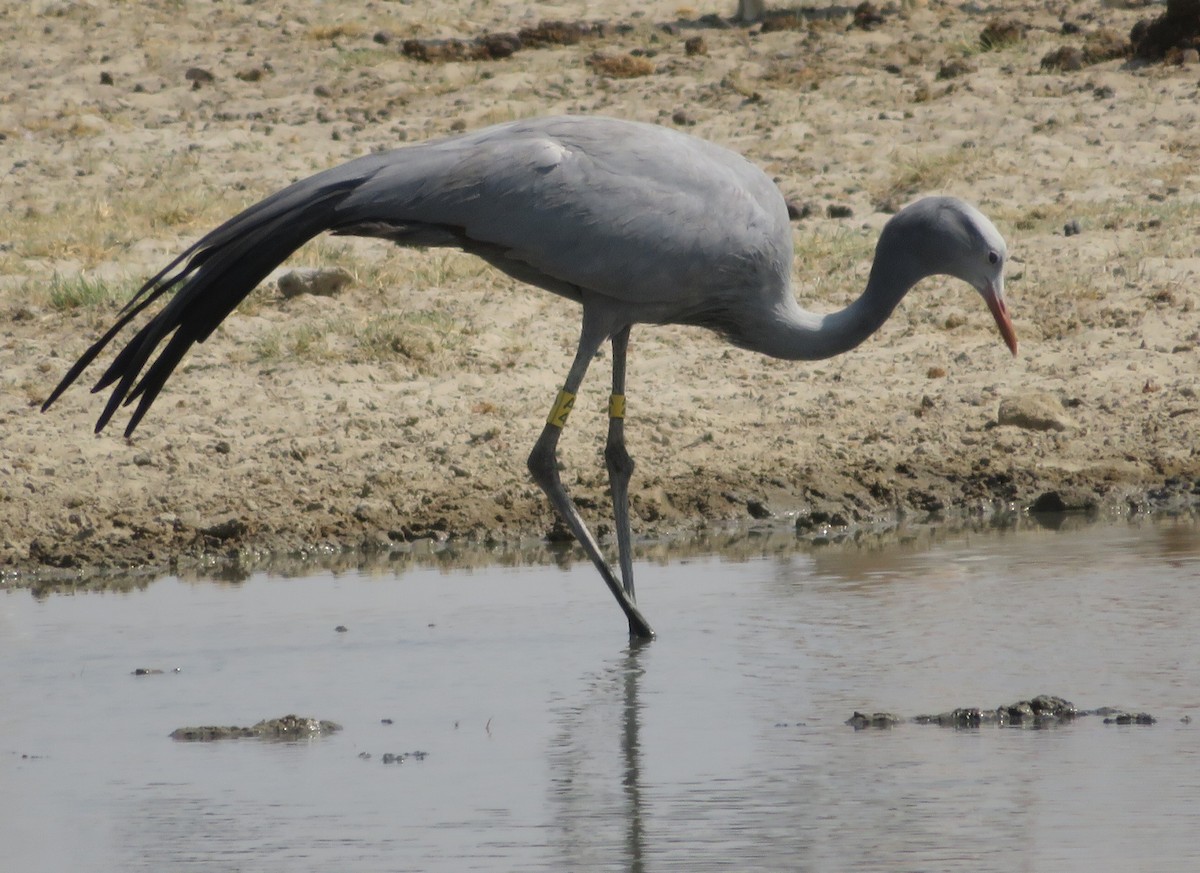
(497,46)
(1102,45)
(865,16)
(288,727)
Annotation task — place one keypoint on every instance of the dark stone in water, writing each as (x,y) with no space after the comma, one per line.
(289,727)
(400,757)
(1131,718)
(1043,711)
(859,721)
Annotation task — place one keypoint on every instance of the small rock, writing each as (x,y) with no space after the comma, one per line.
(498,46)
(1131,718)
(341,629)
(320,282)
(952,69)
(818,518)
(797,210)
(1068,59)
(1062,500)
(758,508)
(1033,411)
(860,721)
(231,528)
(867,16)
(198,76)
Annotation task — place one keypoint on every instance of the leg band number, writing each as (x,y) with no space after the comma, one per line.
(561,409)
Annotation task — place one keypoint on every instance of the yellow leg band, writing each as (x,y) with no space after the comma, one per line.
(561,409)
(616,406)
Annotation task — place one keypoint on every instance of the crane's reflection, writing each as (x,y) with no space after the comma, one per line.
(595,762)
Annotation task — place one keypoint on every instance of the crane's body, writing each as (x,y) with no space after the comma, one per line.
(637,223)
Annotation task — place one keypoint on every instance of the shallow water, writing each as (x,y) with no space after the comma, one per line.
(554,745)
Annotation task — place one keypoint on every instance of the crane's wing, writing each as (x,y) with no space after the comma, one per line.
(633,212)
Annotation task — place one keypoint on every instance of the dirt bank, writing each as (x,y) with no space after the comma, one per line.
(403,407)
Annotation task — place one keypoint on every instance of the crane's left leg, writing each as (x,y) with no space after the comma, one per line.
(543,465)
(620,465)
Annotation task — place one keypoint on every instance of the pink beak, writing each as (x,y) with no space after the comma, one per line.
(995,301)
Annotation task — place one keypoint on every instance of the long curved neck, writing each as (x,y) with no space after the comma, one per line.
(793,333)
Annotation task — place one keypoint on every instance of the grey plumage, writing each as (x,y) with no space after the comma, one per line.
(637,223)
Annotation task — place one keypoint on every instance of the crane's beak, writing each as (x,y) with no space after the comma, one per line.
(994,295)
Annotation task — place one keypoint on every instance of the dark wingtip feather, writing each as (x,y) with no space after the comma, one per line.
(209,279)
(110,408)
(82,364)
(145,295)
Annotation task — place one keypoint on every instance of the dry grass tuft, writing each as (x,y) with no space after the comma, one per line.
(330,32)
(926,173)
(623,66)
(1001,33)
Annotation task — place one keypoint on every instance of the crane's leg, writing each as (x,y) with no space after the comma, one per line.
(543,464)
(620,465)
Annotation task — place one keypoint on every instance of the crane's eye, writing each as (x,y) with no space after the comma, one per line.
(993,257)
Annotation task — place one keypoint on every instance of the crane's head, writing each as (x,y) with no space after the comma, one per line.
(951,237)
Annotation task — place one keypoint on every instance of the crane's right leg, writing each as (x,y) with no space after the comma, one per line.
(543,464)
(620,465)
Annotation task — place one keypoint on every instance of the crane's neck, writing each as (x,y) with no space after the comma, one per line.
(793,333)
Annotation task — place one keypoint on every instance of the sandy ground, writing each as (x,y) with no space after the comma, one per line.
(404,407)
